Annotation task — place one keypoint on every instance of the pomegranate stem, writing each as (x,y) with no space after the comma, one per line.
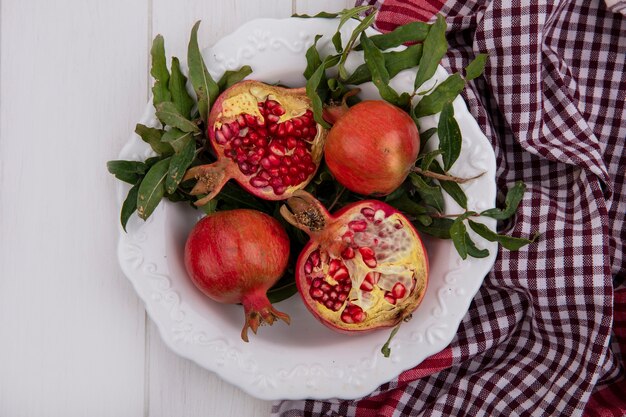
(445,177)
(386,350)
(339,194)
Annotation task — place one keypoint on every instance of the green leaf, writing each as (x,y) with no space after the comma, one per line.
(507,242)
(453,189)
(435,47)
(152,188)
(159,71)
(178,89)
(428,158)
(450,140)
(404,203)
(312,86)
(177,139)
(129,206)
(380,76)
(411,32)
(127,171)
(439,228)
(336,40)
(444,93)
(394,62)
(459,236)
(359,30)
(352,13)
(282,290)
(313,60)
(169,115)
(511,202)
(211,206)
(179,164)
(473,251)
(429,193)
(231,78)
(152,137)
(206,88)
(323,15)
(424,136)
(476,67)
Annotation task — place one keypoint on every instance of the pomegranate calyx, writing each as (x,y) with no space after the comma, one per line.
(210,178)
(258,311)
(305,212)
(335,111)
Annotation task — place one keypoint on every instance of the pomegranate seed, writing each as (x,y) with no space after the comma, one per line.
(358,317)
(276,182)
(278,111)
(366,286)
(227,132)
(289,127)
(291,142)
(348,253)
(316,293)
(324,297)
(325,287)
(284,170)
(272,118)
(270,104)
(219,137)
(358,225)
(308,267)
(274,160)
(297,123)
(390,298)
(250,120)
(287,180)
(287,161)
(277,149)
(334,266)
(260,122)
(310,169)
(329,304)
(295,159)
(274,172)
(313,130)
(368,212)
(300,152)
(265,175)
(258,182)
(398,290)
(254,159)
(293,170)
(244,166)
(317,282)
(305,132)
(241,120)
(341,274)
(237,143)
(272,129)
(301,176)
(265,163)
(332,295)
(368,255)
(346,318)
(297,132)
(398,225)
(280,190)
(337,306)
(281,130)
(373,277)
(315,258)
(342,296)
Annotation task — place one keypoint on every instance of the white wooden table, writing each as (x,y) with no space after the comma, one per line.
(74,338)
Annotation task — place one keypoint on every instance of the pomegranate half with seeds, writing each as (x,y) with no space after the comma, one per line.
(265,138)
(364,268)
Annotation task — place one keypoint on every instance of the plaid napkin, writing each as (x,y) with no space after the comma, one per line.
(543,336)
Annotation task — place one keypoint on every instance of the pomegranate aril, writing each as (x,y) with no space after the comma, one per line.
(368,255)
(337,305)
(274,172)
(347,253)
(250,120)
(287,180)
(300,152)
(278,111)
(373,277)
(357,225)
(237,142)
(293,171)
(332,295)
(265,175)
(308,267)
(291,142)
(333,266)
(274,160)
(301,177)
(390,298)
(310,169)
(398,290)
(284,170)
(305,132)
(289,127)
(265,163)
(342,296)
(341,274)
(325,287)
(227,132)
(277,149)
(316,283)
(316,293)
(280,190)
(219,137)
(270,104)
(368,212)
(329,304)
(287,161)
(241,120)
(272,118)
(276,182)
(315,258)
(281,130)
(258,182)
(346,318)
(366,286)
(297,123)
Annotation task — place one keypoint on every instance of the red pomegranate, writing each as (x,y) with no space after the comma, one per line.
(371,147)
(364,268)
(265,138)
(235,256)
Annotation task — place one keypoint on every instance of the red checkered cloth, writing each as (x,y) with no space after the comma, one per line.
(543,336)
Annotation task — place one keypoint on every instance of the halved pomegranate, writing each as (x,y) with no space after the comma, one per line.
(265,138)
(364,268)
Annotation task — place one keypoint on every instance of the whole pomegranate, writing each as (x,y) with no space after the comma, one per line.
(371,147)
(265,138)
(235,256)
(364,268)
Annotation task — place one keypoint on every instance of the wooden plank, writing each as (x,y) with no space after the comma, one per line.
(73,83)
(178,386)
(315,6)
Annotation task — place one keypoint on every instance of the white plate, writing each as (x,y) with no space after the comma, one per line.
(305,359)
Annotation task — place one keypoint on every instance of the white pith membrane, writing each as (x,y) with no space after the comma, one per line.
(381,272)
(271,136)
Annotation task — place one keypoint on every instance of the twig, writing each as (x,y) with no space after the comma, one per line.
(339,194)
(445,177)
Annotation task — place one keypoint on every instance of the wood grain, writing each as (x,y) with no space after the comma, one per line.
(73,84)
